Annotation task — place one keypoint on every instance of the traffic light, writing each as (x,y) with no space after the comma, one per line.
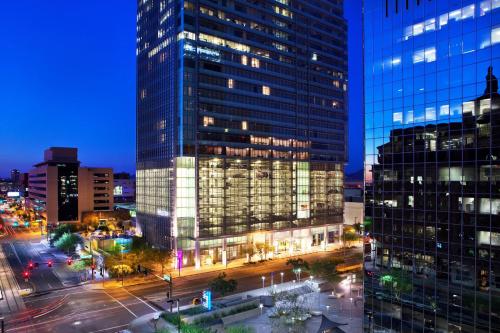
(92,266)
(69,261)
(30,265)
(26,275)
(49,263)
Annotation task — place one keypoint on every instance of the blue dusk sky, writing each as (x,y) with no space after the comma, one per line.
(67,78)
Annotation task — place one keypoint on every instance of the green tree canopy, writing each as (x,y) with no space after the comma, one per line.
(326,268)
(155,256)
(222,285)
(68,242)
(61,230)
(350,237)
(298,263)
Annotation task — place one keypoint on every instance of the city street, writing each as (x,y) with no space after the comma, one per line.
(89,308)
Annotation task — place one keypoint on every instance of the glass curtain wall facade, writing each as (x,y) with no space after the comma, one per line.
(241,125)
(432,166)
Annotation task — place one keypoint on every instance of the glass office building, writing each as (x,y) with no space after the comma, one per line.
(241,126)
(432,165)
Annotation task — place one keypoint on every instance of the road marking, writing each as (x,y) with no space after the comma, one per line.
(152,308)
(133,314)
(65,317)
(35,299)
(61,303)
(109,328)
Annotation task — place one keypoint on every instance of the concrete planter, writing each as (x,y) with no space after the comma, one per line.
(228,309)
(240,316)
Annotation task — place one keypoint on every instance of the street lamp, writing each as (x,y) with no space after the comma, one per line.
(261,307)
(263,281)
(299,270)
(282,274)
(156,316)
(351,299)
(123,273)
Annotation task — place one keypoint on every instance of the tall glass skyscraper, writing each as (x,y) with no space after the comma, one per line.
(432,165)
(241,126)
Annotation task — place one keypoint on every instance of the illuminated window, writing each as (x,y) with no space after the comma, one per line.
(143,93)
(282,11)
(223,42)
(206,11)
(208,121)
(427,55)
(485,106)
(468,108)
(255,63)
(314,57)
(266,90)
(230,83)
(244,125)
(244,60)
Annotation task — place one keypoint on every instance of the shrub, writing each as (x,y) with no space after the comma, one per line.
(120,270)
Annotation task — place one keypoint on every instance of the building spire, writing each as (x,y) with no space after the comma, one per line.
(491,82)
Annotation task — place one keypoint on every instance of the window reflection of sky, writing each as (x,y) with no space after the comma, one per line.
(428,70)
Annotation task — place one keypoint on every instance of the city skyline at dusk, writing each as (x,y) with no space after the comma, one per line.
(72,84)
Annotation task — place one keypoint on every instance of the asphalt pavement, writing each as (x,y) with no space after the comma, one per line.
(90,309)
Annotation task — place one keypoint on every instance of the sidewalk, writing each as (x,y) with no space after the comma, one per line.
(191,270)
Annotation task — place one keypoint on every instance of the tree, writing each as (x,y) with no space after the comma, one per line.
(79,265)
(249,250)
(398,281)
(263,249)
(68,242)
(298,263)
(349,237)
(223,286)
(120,270)
(358,227)
(155,256)
(61,230)
(326,268)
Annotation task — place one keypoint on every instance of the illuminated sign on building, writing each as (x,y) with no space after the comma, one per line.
(207,299)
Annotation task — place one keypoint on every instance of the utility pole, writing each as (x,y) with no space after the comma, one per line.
(91,259)
(168,278)
(123,273)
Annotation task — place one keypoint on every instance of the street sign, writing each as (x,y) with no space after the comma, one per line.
(167,277)
(207,299)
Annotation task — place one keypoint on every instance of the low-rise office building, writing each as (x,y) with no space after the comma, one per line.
(60,190)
